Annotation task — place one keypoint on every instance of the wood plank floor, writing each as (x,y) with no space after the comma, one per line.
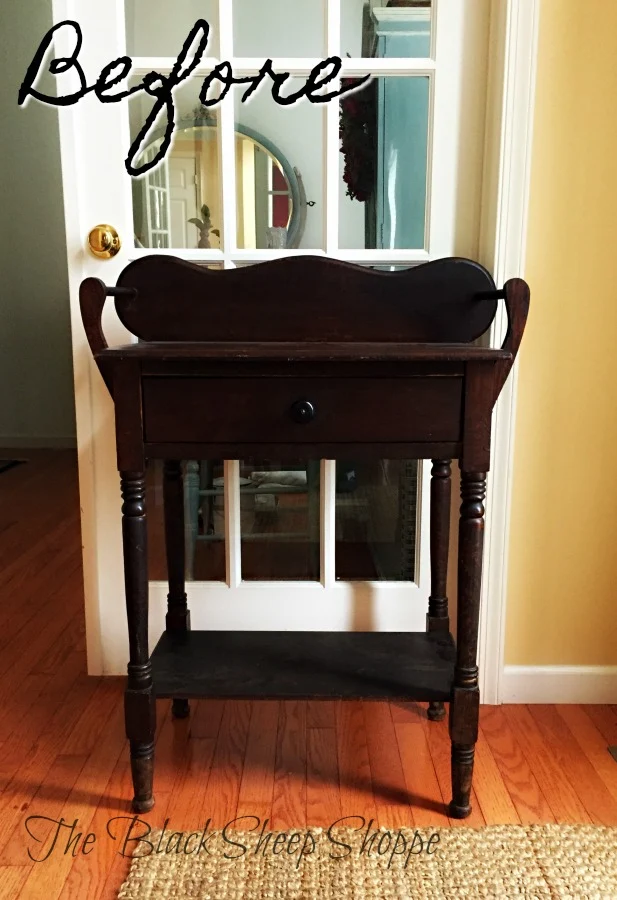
(63,753)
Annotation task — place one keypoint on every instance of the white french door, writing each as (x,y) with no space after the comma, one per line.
(373,579)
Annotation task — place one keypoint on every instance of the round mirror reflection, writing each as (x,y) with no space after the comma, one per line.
(178,204)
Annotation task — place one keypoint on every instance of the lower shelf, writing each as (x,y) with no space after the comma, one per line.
(304,664)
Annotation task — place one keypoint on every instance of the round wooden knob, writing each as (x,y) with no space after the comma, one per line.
(302,411)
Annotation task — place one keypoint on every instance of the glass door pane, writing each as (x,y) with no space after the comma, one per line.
(204,520)
(279,504)
(178,204)
(160,28)
(395,30)
(384,129)
(293,138)
(376,510)
(284,28)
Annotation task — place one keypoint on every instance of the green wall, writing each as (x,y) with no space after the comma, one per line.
(36,380)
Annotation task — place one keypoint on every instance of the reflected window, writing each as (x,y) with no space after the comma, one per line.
(178,204)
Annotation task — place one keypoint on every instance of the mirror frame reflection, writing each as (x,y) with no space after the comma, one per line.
(153,185)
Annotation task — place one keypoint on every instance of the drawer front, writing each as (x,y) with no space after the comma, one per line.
(303,410)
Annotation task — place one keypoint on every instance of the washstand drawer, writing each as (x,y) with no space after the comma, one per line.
(363,410)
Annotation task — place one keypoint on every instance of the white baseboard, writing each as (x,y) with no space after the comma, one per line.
(27,442)
(559,684)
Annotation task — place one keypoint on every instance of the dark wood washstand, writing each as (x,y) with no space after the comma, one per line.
(304,357)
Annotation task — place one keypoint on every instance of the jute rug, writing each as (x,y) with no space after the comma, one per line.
(577,862)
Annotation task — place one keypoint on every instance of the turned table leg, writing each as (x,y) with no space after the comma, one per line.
(464,706)
(139,703)
(178,617)
(437,619)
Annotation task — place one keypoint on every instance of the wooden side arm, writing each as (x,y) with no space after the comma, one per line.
(92,295)
(516,296)
(517,306)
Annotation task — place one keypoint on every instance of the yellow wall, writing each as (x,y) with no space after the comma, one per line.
(562,598)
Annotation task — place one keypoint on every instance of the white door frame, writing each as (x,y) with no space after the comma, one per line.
(503,243)
(513,43)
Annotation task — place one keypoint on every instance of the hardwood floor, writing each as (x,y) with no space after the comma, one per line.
(63,753)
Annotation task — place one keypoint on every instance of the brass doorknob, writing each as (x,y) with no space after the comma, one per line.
(104,241)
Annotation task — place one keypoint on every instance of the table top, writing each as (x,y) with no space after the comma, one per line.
(291,351)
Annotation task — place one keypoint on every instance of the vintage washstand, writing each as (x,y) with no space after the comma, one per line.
(311,357)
